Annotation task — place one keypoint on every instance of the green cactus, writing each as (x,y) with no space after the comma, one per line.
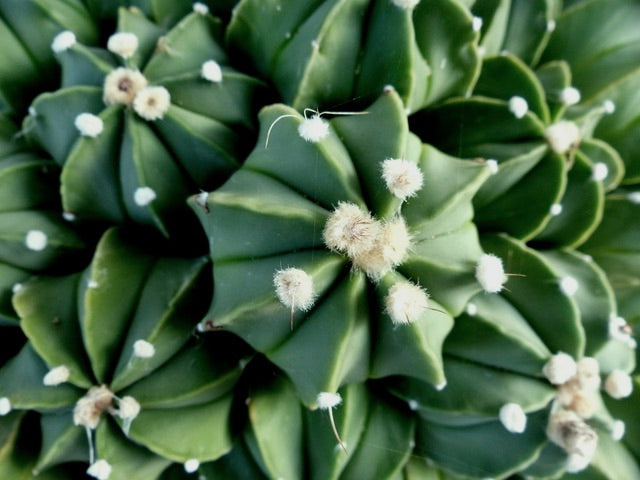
(323,239)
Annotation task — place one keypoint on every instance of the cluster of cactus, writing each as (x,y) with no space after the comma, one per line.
(325,239)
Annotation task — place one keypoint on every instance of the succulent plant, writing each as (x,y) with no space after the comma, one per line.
(325,239)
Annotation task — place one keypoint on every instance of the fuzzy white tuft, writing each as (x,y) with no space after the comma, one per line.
(618,384)
(570,96)
(327,400)
(200,8)
(406,4)
(618,429)
(100,469)
(56,376)
(143,196)
(600,172)
(567,430)
(560,368)
(211,71)
(588,374)
(63,41)
(490,273)
(5,406)
(128,408)
(89,125)
(122,85)
(191,465)
(513,418)
(88,409)
(406,302)
(16,287)
(124,44)
(314,129)
(294,288)
(476,24)
(441,386)
(36,240)
(569,286)
(493,165)
(518,106)
(551,25)
(403,178)
(562,136)
(143,349)
(609,106)
(634,197)
(351,230)
(576,463)
(413,404)
(620,330)
(556,209)
(69,216)
(151,103)
(471,309)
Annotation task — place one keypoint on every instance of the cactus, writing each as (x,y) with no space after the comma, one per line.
(325,239)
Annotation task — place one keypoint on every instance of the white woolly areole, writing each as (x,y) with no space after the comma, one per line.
(68,216)
(92,284)
(294,288)
(562,136)
(609,106)
(600,172)
(36,240)
(406,302)
(122,85)
(88,409)
(413,405)
(618,384)
(5,406)
(191,465)
(556,209)
(513,418)
(143,196)
(576,463)
(128,408)
(124,44)
(200,8)
(570,96)
(471,309)
(567,430)
(151,103)
(493,165)
(351,230)
(100,469)
(327,400)
(618,430)
(313,129)
(588,374)
(634,197)
(56,376)
(476,24)
(551,25)
(518,106)
(143,349)
(620,330)
(89,125)
(16,287)
(403,178)
(211,71)
(405,3)
(560,368)
(569,285)
(490,273)
(63,41)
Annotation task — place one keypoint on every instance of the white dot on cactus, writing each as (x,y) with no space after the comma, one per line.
(556,209)
(100,469)
(618,384)
(122,85)
(56,376)
(151,103)
(551,25)
(403,178)
(63,41)
(567,430)
(201,199)
(5,406)
(143,349)
(476,24)
(92,284)
(144,196)
(562,136)
(406,302)
(327,400)
(441,386)
(32,111)
(634,197)
(128,408)
(211,71)
(620,330)
(490,273)
(89,125)
(576,463)
(600,172)
(588,374)
(560,368)
(313,129)
(68,216)
(493,165)
(36,240)
(351,230)
(407,4)
(618,429)
(16,287)
(124,44)
(294,288)
(88,409)
(200,8)
(569,286)
(192,465)
(413,404)
(471,309)
(513,418)
(609,106)
(518,106)
(570,96)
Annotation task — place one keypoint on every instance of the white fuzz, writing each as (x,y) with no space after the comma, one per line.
(560,368)
(128,408)
(556,209)
(68,216)
(588,374)
(513,418)
(441,386)
(313,129)
(518,106)
(92,284)
(191,465)
(490,273)
(36,240)
(56,376)
(5,406)
(294,288)
(32,111)
(562,136)
(570,96)
(124,44)
(413,405)
(403,178)
(351,230)
(600,172)
(390,249)
(569,286)
(151,103)
(618,384)
(571,397)
(618,430)
(620,330)
(406,302)
(567,430)
(476,24)
(471,309)
(201,199)
(576,463)
(551,25)
(493,165)
(89,408)
(143,349)
(609,107)
(63,41)
(327,400)
(634,197)
(89,125)
(211,71)
(407,4)
(200,8)
(122,85)
(16,287)
(144,196)
(100,469)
